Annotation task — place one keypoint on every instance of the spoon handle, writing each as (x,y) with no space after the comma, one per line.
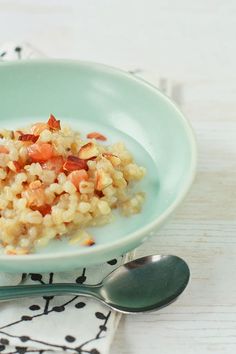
(22,291)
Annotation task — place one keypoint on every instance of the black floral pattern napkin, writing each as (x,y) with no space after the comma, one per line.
(48,324)
(71,324)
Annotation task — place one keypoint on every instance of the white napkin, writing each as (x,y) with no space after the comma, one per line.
(62,324)
(13,51)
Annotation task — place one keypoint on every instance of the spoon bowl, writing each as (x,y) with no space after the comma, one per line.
(145,284)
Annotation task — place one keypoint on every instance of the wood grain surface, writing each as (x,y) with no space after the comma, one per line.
(203,232)
(192,42)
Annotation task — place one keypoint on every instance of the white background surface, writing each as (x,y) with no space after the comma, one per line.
(193,42)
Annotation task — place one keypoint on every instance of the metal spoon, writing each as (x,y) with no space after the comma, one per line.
(144,284)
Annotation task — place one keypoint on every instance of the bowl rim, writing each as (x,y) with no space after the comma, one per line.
(147,229)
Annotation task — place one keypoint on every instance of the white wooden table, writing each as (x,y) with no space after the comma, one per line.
(194,43)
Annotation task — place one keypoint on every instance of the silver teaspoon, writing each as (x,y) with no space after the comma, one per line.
(144,284)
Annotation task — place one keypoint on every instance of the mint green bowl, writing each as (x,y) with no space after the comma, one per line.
(95,97)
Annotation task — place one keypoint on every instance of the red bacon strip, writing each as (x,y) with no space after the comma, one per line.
(29,137)
(74,163)
(53,123)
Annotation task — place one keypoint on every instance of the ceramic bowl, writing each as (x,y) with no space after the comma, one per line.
(89,97)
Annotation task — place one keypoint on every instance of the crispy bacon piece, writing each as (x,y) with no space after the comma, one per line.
(17,166)
(77,176)
(53,123)
(40,152)
(28,137)
(97,136)
(74,163)
(43,209)
(14,166)
(54,164)
(99,193)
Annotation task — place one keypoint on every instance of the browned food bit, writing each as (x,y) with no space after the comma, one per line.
(53,123)
(97,136)
(74,163)
(28,137)
(4,149)
(43,209)
(108,154)
(88,151)
(14,166)
(98,193)
(88,242)
(17,165)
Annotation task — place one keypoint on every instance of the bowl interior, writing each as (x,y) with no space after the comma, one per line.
(95,97)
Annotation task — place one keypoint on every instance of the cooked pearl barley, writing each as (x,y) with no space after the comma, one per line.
(3,203)
(68,215)
(33,232)
(39,204)
(133,172)
(3,174)
(24,242)
(19,203)
(33,217)
(47,220)
(84,207)
(21,177)
(91,164)
(61,178)
(34,169)
(56,188)
(8,213)
(46,136)
(50,196)
(48,177)
(104,207)
(69,187)
(8,193)
(57,215)
(109,191)
(86,187)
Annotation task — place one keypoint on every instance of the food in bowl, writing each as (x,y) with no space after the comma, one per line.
(53,183)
